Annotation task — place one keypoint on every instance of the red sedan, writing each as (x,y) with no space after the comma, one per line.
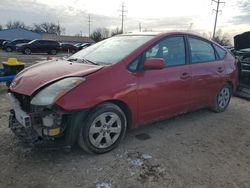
(69,48)
(97,94)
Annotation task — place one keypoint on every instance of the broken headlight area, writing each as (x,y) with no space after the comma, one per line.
(35,124)
(48,123)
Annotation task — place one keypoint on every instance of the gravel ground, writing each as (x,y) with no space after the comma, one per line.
(198,149)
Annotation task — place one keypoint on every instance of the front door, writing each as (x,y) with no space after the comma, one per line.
(164,93)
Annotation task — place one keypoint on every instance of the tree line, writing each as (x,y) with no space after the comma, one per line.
(45,27)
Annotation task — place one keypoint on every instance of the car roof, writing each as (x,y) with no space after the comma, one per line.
(160,33)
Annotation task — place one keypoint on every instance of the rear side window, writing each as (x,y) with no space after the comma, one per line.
(201,51)
(52,43)
(221,52)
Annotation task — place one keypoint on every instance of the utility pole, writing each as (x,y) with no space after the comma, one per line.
(217,10)
(123,11)
(190,27)
(139,26)
(89,22)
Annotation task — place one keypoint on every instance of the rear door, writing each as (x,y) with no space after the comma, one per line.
(163,93)
(207,72)
(44,46)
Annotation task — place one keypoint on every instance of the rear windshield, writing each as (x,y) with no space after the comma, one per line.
(112,50)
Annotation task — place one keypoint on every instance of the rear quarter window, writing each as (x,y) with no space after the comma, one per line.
(221,52)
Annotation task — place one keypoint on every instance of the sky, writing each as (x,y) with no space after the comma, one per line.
(158,15)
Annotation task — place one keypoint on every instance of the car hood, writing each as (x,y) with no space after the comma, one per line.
(41,74)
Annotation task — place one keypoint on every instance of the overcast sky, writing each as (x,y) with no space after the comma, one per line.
(156,15)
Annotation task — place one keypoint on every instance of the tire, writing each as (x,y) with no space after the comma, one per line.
(27,51)
(222,99)
(103,129)
(8,49)
(53,52)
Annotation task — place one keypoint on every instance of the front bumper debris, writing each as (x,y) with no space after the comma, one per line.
(25,133)
(34,125)
(38,126)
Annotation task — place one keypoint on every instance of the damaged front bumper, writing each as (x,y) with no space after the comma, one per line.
(42,126)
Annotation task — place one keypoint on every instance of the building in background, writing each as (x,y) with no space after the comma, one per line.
(68,39)
(19,33)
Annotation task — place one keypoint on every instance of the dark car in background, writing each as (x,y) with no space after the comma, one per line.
(242,52)
(69,48)
(11,46)
(40,46)
(82,46)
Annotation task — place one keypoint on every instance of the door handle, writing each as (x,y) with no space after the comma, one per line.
(185,75)
(131,84)
(220,69)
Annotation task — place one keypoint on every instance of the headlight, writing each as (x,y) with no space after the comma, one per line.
(53,92)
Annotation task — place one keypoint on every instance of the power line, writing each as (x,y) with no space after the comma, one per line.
(217,10)
(89,22)
(123,11)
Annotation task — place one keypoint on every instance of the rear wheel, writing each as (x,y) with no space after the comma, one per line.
(104,129)
(53,52)
(223,99)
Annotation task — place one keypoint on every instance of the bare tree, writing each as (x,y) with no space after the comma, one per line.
(49,27)
(116,31)
(100,34)
(15,24)
(222,38)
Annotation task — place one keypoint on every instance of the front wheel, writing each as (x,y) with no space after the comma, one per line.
(27,51)
(8,49)
(223,98)
(103,130)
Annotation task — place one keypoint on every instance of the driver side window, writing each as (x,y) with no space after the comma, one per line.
(171,49)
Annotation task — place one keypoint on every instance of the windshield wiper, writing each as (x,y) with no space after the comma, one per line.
(82,60)
(94,63)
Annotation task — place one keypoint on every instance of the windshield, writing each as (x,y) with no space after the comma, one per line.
(111,50)
(31,41)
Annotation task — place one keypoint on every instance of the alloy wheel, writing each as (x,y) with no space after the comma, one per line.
(27,51)
(8,49)
(105,130)
(224,97)
(53,52)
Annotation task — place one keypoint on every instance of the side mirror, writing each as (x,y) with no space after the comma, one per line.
(154,63)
